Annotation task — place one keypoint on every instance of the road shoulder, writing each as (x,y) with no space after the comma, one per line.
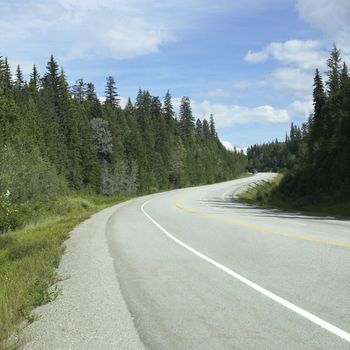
(90,312)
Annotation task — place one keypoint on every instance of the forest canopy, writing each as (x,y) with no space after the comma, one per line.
(55,138)
(316,155)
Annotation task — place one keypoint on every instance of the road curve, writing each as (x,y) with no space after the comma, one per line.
(200,270)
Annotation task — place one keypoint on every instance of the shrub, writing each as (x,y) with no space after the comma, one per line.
(10,215)
(26,174)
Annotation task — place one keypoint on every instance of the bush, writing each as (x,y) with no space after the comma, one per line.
(26,174)
(10,215)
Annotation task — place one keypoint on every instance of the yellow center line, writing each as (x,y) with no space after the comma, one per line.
(213,217)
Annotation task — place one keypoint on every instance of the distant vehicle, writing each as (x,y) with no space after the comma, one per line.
(252,170)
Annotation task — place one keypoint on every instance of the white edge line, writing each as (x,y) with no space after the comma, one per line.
(308,315)
(297,223)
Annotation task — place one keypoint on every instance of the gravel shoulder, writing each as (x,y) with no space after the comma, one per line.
(90,312)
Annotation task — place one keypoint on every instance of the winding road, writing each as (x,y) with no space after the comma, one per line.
(200,270)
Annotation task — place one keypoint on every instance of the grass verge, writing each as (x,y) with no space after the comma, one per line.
(29,258)
(267,194)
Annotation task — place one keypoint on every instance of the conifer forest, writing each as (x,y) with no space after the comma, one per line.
(59,139)
(315,156)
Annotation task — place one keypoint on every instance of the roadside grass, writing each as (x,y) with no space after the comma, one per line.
(30,256)
(266,194)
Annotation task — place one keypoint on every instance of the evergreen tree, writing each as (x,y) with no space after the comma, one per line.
(90,92)
(86,146)
(317,122)
(79,90)
(51,78)
(333,73)
(199,127)
(212,126)
(344,77)
(156,107)
(111,93)
(187,121)
(34,82)
(168,109)
(129,108)
(19,82)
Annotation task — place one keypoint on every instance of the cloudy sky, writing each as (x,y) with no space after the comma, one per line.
(248,62)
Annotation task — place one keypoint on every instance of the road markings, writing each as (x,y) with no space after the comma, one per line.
(299,223)
(308,315)
(253,227)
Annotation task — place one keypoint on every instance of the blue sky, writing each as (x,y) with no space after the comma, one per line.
(250,63)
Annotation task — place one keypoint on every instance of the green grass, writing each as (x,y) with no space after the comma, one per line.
(30,256)
(267,194)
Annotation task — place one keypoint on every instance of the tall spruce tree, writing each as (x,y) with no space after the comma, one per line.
(168,108)
(187,121)
(19,82)
(111,93)
(79,90)
(333,73)
(317,122)
(34,82)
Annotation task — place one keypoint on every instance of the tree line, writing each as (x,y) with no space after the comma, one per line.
(317,154)
(55,139)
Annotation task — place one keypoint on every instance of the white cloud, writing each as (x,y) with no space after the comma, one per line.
(231,147)
(219,92)
(300,108)
(108,29)
(76,29)
(228,145)
(284,81)
(331,17)
(292,82)
(228,115)
(308,54)
(257,57)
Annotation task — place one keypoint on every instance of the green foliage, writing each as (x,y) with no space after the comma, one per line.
(10,216)
(26,174)
(270,195)
(29,257)
(56,142)
(320,167)
(55,139)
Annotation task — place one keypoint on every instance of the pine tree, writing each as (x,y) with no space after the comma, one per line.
(19,82)
(344,77)
(199,127)
(51,77)
(187,121)
(77,142)
(206,128)
(90,92)
(79,90)
(168,109)
(34,82)
(5,76)
(111,93)
(156,107)
(212,126)
(317,122)
(129,108)
(333,73)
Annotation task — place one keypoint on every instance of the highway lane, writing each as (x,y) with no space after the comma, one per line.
(180,300)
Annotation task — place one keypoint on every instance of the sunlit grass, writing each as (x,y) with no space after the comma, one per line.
(30,256)
(267,194)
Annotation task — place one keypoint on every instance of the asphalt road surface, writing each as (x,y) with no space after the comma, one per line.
(200,270)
